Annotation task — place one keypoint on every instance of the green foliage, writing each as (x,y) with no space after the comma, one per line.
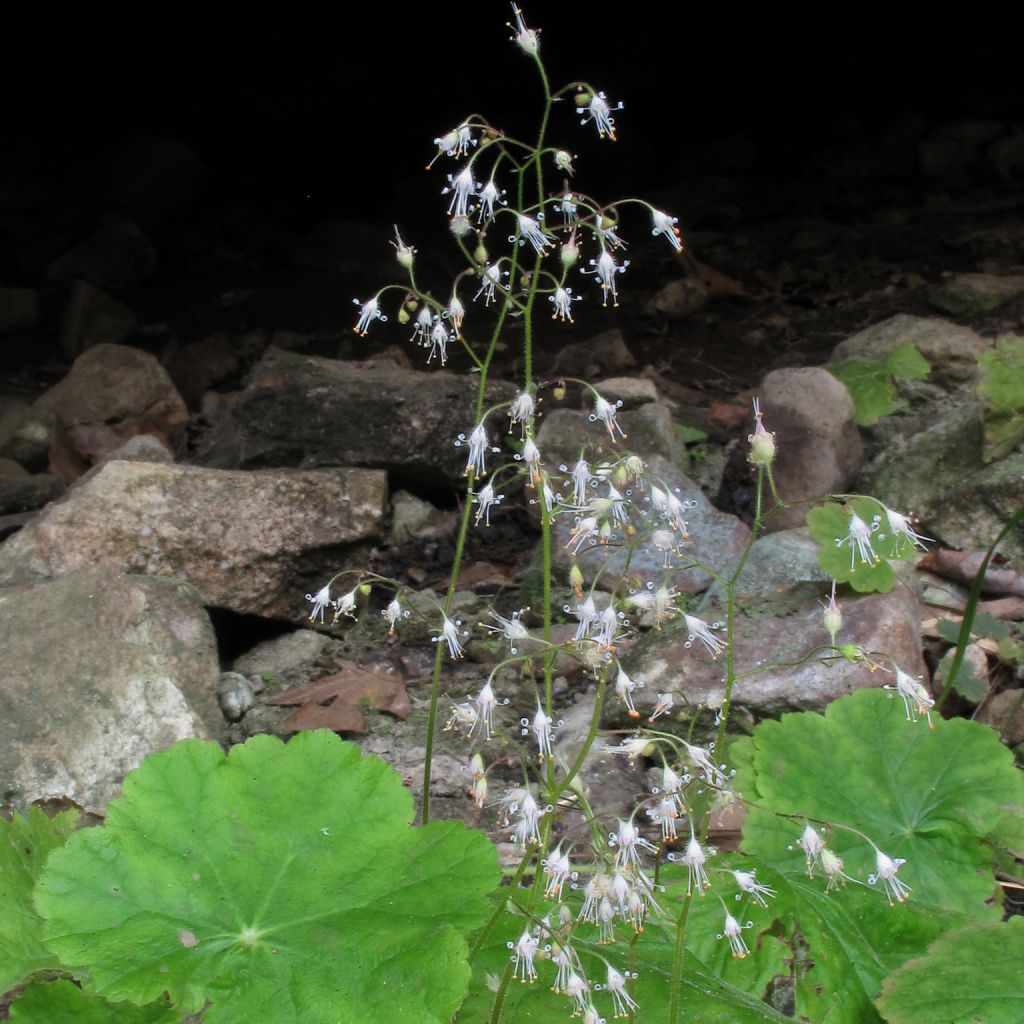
(1002,387)
(931,796)
(278,882)
(870,381)
(25,844)
(63,1001)
(838,553)
(973,976)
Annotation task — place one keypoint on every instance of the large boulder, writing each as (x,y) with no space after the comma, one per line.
(251,542)
(307,411)
(99,670)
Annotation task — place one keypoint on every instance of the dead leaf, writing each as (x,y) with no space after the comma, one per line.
(963,566)
(350,690)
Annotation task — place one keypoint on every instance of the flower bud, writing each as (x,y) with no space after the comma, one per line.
(583,98)
(364,589)
(563,161)
(480,254)
(570,252)
(558,392)
(576,580)
(460,225)
(403,316)
(832,616)
(852,653)
(762,441)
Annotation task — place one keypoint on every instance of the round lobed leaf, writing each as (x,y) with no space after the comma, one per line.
(971,976)
(63,1001)
(25,843)
(280,882)
(930,797)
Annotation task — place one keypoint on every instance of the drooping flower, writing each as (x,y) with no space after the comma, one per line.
(490,279)
(530,456)
(915,697)
(832,868)
(812,845)
(489,194)
(524,951)
(628,842)
(456,312)
(421,328)
(531,231)
(586,615)
(733,931)
(346,605)
(392,614)
(662,706)
(485,499)
(449,634)
(369,311)
(901,528)
(580,480)
(521,411)
(486,702)
(541,726)
(885,872)
(511,629)
(562,300)
(477,450)
(321,601)
(700,758)
(748,884)
(666,225)
(569,209)
(438,341)
(623,1001)
(599,112)
(606,412)
(624,687)
(558,870)
(694,858)
(455,143)
(859,539)
(583,531)
(700,630)
(461,187)
(605,268)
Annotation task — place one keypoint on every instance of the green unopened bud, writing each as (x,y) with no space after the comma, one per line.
(832,616)
(403,316)
(852,653)
(480,254)
(403,253)
(364,589)
(570,251)
(576,580)
(563,161)
(583,98)
(762,441)
(607,222)
(558,392)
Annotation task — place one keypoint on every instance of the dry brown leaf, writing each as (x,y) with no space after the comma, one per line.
(338,716)
(963,566)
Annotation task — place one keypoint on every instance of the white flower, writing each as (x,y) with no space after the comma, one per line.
(606,412)
(462,716)
(665,542)
(586,614)
(438,341)
(490,279)
(563,161)
(523,960)
(812,845)
(576,988)
(455,143)
(456,312)
(832,867)
(900,527)
(914,695)
(558,869)
(662,706)
(562,299)
(633,746)
(321,600)
(421,329)
(489,194)
(392,613)
(542,731)
(584,531)
(521,411)
(599,112)
(369,312)
(700,630)
(530,455)
(485,498)
(511,629)
(666,225)
(477,449)
(664,813)
(748,883)
(486,702)
(569,209)
(527,828)
(700,758)
(461,187)
(580,480)
(624,687)
(606,268)
(449,634)
(531,231)
(346,605)
(526,38)
(694,858)
(616,985)
(859,539)
(885,872)
(403,253)
(628,842)
(733,931)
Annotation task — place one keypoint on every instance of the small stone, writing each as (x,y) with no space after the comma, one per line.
(234,695)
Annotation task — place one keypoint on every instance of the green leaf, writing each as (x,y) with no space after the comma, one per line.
(870,381)
(707,996)
(65,1002)
(690,435)
(1002,375)
(930,797)
(280,882)
(840,557)
(970,686)
(971,976)
(25,843)
(837,947)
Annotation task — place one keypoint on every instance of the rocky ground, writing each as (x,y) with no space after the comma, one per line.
(192,440)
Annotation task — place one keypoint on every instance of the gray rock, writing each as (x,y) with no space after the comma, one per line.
(234,695)
(632,392)
(1006,156)
(951,351)
(887,623)
(19,309)
(678,299)
(305,411)
(1005,713)
(93,317)
(283,653)
(976,294)
(115,255)
(412,517)
(606,353)
(21,491)
(818,446)
(24,435)
(99,671)
(950,148)
(140,448)
(248,542)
